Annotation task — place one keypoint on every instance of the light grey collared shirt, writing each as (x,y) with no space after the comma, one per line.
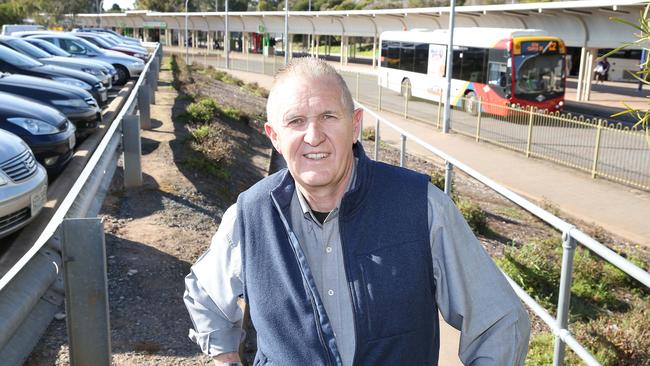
(471,293)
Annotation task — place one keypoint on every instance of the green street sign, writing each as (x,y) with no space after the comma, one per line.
(261,29)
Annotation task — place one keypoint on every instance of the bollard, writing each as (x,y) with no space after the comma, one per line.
(132,151)
(86,292)
(568,251)
(144,109)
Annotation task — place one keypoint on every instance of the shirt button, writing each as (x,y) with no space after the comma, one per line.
(330,292)
(328,249)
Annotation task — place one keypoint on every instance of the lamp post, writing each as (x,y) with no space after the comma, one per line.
(450,53)
(226,39)
(286,32)
(187,51)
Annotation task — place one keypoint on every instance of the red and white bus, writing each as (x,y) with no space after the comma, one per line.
(500,66)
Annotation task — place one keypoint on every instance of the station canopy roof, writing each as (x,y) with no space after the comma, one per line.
(579,23)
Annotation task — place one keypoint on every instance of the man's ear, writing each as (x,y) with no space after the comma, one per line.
(273,136)
(357,117)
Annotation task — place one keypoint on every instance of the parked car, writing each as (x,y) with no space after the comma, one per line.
(56,51)
(126,66)
(20,45)
(17,63)
(101,41)
(23,184)
(48,132)
(126,39)
(77,104)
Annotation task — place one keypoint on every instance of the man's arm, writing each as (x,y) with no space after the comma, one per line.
(211,292)
(472,294)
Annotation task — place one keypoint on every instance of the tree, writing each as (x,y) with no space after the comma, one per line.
(643,40)
(115,8)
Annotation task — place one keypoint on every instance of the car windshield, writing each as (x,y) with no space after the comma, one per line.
(16,58)
(112,38)
(48,47)
(89,45)
(28,49)
(539,70)
(97,41)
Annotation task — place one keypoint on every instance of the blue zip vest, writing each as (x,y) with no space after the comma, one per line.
(385,238)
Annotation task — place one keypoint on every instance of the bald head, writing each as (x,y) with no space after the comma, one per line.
(307,68)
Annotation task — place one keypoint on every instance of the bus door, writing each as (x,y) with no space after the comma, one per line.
(499,79)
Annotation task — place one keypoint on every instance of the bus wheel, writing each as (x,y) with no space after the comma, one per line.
(470,105)
(406,89)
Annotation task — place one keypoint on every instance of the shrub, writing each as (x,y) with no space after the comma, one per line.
(474,215)
(368,133)
(201,133)
(438,179)
(203,111)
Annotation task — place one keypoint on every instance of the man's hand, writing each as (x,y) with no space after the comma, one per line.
(226,358)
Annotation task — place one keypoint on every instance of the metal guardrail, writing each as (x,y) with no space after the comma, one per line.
(570,236)
(33,288)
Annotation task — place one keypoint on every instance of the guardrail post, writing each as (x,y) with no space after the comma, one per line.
(132,151)
(568,251)
(530,131)
(478,121)
(377,139)
(357,87)
(150,84)
(402,150)
(449,170)
(144,109)
(594,164)
(86,292)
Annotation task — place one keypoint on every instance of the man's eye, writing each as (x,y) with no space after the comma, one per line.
(294,122)
(328,116)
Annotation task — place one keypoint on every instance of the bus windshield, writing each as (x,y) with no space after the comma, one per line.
(539,75)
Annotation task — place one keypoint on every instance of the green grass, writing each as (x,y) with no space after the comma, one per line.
(203,111)
(511,212)
(201,163)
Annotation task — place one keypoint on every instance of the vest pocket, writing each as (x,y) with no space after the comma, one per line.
(397,289)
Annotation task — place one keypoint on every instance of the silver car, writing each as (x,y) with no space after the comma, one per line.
(23,184)
(126,66)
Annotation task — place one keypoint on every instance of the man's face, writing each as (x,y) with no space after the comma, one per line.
(310,127)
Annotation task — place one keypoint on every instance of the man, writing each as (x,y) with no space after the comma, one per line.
(343,260)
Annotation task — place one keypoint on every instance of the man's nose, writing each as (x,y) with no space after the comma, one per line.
(314,133)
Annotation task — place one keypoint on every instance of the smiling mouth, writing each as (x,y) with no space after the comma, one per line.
(316,156)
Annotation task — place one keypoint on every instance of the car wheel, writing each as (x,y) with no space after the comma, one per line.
(122,74)
(406,89)
(470,105)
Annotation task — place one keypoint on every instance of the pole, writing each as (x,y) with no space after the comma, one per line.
(450,52)
(226,39)
(216,5)
(186,38)
(286,32)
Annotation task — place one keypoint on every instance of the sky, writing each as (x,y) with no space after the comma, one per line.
(124,4)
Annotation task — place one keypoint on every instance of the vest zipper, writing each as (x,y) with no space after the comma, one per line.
(294,243)
(354,317)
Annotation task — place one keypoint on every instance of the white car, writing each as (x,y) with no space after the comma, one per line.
(23,184)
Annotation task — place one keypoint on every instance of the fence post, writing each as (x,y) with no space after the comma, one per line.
(377,139)
(439,109)
(402,150)
(357,87)
(449,170)
(530,131)
(568,251)
(86,292)
(150,84)
(379,95)
(478,121)
(406,103)
(594,165)
(132,151)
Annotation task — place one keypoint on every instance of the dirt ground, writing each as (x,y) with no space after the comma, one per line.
(154,233)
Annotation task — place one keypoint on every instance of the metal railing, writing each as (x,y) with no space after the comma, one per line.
(30,291)
(570,237)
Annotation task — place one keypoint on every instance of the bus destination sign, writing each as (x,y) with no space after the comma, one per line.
(531,47)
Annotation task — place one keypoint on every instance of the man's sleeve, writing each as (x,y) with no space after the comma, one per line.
(471,292)
(212,289)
